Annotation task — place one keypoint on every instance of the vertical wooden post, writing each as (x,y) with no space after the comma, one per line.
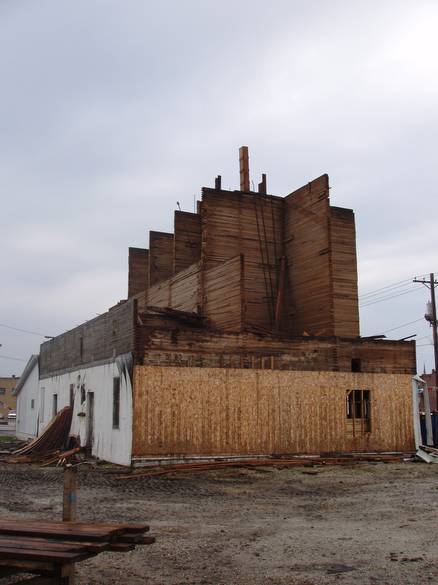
(244,168)
(69,501)
(69,507)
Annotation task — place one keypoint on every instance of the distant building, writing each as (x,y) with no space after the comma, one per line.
(26,395)
(8,402)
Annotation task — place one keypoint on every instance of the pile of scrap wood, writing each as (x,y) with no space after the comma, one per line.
(50,446)
(300,461)
(427,454)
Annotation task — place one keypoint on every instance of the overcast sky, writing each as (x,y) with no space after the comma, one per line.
(112,111)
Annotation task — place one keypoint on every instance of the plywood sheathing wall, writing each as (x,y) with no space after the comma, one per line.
(138,270)
(198,411)
(344,272)
(251,224)
(187,240)
(160,257)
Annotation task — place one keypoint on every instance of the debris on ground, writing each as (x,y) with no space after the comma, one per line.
(279,463)
(51,445)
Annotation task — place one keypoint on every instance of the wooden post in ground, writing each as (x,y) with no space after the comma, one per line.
(69,507)
(69,501)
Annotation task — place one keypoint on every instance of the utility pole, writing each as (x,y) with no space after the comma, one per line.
(432,319)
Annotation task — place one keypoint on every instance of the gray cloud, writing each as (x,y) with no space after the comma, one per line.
(112,112)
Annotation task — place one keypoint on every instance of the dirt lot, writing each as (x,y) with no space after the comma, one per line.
(362,524)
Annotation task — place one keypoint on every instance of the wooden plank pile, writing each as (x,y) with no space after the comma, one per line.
(51,548)
(49,446)
(273,462)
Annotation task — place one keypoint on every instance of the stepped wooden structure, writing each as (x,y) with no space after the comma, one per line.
(243,326)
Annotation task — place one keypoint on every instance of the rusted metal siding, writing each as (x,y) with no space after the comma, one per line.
(205,411)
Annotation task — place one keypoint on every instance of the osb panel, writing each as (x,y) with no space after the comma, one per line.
(344,272)
(202,411)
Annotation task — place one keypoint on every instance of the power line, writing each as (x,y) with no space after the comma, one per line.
(403,325)
(384,288)
(394,285)
(22,330)
(8,357)
(389,297)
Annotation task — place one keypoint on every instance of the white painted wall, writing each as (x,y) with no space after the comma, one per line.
(27,416)
(114,445)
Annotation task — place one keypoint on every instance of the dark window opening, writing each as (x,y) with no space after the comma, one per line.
(72,394)
(358,411)
(356,365)
(82,393)
(55,405)
(116,403)
(32,403)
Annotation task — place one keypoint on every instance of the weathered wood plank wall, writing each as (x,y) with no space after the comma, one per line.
(222,301)
(160,257)
(138,270)
(202,348)
(179,292)
(187,240)
(251,224)
(108,335)
(344,272)
(307,243)
(201,411)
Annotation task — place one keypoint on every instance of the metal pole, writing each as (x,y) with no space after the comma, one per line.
(434,327)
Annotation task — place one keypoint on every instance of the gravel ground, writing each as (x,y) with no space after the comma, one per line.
(361,524)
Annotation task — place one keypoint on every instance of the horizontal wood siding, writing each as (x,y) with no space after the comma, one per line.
(307,244)
(190,347)
(223,295)
(179,292)
(138,270)
(160,257)
(344,272)
(251,224)
(187,240)
(201,411)
(105,336)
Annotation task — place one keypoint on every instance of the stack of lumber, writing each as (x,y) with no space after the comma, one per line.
(37,545)
(185,317)
(55,457)
(280,463)
(50,442)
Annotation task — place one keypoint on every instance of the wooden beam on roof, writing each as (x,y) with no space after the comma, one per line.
(244,168)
